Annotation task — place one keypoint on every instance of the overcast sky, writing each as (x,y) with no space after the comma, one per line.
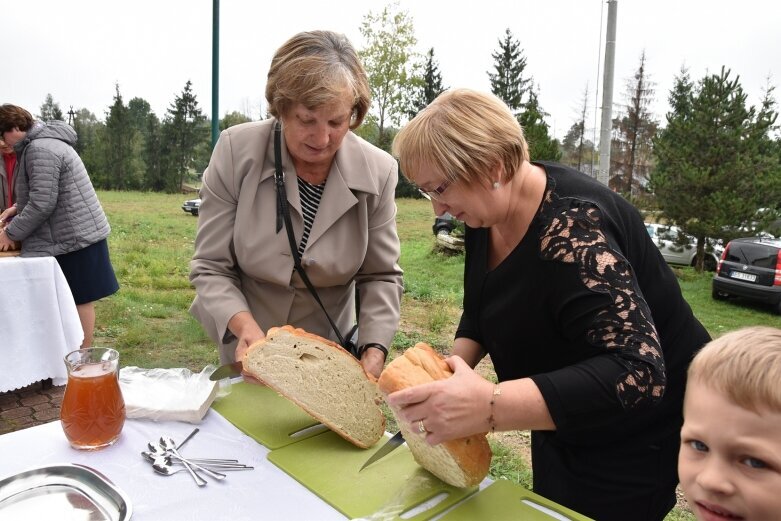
(77,50)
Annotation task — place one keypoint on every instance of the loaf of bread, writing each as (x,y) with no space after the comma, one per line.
(323,379)
(461,462)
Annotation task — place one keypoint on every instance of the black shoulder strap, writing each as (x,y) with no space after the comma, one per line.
(283,214)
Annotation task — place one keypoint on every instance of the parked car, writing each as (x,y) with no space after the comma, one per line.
(679,248)
(444,223)
(750,268)
(192,206)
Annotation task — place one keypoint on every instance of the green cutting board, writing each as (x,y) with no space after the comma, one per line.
(328,466)
(260,413)
(504,499)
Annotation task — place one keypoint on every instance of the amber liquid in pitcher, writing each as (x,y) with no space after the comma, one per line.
(93,410)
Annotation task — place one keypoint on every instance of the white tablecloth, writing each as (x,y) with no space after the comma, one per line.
(263,493)
(39,324)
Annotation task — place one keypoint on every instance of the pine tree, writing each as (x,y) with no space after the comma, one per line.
(430,87)
(121,146)
(184,128)
(716,162)
(507,82)
(50,110)
(541,146)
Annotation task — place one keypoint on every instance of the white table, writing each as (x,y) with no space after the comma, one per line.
(39,323)
(263,493)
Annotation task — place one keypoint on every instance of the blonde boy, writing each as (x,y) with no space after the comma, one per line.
(730,459)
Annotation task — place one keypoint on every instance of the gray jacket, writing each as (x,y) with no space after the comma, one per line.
(57,208)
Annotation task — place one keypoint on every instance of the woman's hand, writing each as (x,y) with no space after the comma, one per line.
(6,243)
(453,408)
(7,214)
(248,332)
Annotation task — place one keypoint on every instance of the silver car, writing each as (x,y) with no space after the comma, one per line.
(192,206)
(679,248)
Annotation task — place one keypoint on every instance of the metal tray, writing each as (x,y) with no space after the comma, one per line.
(68,491)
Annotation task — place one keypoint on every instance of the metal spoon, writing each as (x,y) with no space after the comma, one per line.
(150,456)
(168,443)
(161,452)
(167,461)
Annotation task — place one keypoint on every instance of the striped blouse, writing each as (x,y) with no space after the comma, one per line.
(310,202)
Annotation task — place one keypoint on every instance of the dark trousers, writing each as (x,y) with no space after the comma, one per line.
(619,482)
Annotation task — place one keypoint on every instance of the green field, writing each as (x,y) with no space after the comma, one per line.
(147,320)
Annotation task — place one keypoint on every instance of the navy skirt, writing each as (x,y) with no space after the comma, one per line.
(89,273)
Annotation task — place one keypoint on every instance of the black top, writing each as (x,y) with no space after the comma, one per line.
(586,306)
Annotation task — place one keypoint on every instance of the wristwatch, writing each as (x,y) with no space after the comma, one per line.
(375,345)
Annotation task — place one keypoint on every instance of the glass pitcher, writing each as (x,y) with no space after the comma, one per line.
(93,411)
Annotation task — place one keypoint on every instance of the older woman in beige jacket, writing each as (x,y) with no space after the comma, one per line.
(243,269)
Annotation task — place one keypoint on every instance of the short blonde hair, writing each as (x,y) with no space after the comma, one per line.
(315,68)
(744,365)
(464,134)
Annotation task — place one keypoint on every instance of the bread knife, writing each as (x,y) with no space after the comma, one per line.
(389,446)
(226,371)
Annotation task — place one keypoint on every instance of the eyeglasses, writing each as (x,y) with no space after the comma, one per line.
(436,193)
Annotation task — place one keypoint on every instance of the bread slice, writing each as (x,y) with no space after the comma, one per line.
(323,379)
(461,462)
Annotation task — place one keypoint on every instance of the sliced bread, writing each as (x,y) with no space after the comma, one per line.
(462,462)
(323,379)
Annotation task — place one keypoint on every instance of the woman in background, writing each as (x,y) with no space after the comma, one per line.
(58,212)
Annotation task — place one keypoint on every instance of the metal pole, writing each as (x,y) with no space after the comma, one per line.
(603,175)
(215,71)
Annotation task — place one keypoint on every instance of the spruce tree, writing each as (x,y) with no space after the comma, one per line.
(508,82)
(430,86)
(716,162)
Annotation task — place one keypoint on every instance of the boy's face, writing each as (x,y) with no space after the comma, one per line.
(730,459)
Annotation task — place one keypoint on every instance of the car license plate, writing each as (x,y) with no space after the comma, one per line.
(750,277)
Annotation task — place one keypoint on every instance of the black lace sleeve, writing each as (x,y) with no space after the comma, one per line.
(622,332)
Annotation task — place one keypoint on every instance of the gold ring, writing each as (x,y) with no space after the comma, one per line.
(421,427)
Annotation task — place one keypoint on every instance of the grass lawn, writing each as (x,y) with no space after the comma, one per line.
(147,320)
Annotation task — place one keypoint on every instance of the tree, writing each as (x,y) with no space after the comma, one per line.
(633,133)
(508,82)
(233,118)
(147,125)
(88,128)
(716,163)
(577,150)
(121,146)
(541,145)
(430,87)
(50,110)
(184,128)
(391,64)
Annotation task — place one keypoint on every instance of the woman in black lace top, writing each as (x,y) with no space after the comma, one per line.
(584,322)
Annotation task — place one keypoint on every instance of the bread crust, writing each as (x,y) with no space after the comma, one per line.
(253,364)
(472,454)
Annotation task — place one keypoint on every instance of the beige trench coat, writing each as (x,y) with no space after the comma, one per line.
(242,264)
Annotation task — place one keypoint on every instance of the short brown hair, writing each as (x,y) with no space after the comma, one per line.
(465,134)
(12,116)
(744,365)
(314,68)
